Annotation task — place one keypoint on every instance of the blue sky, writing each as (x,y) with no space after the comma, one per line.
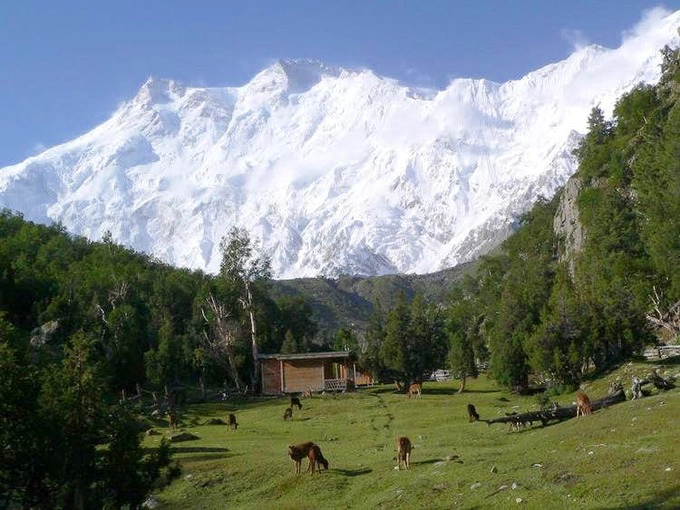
(65,66)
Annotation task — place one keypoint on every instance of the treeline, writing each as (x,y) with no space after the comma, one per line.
(150,322)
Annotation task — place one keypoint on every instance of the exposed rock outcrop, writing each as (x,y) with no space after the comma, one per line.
(567,225)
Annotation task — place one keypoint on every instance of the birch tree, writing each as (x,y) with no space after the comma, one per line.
(249,272)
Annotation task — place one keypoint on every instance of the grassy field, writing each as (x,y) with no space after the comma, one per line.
(625,456)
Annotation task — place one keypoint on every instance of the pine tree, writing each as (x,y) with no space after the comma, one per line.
(290,345)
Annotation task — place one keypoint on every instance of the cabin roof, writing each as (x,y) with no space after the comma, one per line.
(308,355)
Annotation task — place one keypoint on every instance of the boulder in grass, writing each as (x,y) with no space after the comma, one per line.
(215,421)
(184,436)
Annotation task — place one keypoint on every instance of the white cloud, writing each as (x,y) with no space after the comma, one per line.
(576,38)
(419,78)
(38,148)
(650,19)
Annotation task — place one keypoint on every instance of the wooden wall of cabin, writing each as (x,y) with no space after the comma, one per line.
(302,374)
(271,376)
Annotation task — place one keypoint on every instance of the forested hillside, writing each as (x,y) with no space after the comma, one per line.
(83,324)
(348,301)
(560,304)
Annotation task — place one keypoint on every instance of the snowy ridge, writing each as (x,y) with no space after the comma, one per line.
(334,171)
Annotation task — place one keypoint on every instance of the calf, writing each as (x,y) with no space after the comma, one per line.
(294,401)
(232,421)
(415,389)
(288,415)
(316,457)
(472,413)
(583,405)
(404,448)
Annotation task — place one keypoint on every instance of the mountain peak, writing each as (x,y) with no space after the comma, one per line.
(294,76)
(159,91)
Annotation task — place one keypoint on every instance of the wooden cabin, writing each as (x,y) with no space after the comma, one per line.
(315,371)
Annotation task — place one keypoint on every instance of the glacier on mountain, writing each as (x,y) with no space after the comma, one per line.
(332,170)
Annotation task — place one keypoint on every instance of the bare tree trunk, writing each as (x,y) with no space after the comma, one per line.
(201,383)
(668,319)
(234,370)
(248,305)
(462,384)
(223,338)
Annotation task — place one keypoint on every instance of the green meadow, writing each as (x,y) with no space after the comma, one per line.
(624,456)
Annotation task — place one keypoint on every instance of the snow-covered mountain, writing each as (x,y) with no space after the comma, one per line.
(332,170)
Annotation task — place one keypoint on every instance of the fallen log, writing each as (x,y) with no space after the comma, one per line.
(556,413)
(659,382)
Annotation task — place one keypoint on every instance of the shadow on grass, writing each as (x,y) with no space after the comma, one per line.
(198,449)
(199,454)
(432,390)
(352,472)
(196,453)
(380,391)
(670,498)
(424,462)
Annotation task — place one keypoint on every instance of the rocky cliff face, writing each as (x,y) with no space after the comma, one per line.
(567,226)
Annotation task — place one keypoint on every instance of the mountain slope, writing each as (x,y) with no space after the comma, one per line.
(336,171)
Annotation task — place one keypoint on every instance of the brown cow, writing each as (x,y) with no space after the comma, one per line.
(299,452)
(232,421)
(472,413)
(583,405)
(404,448)
(315,456)
(415,389)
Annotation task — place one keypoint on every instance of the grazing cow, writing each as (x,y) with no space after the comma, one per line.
(299,452)
(294,401)
(315,456)
(288,415)
(232,421)
(415,389)
(583,405)
(404,448)
(472,413)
